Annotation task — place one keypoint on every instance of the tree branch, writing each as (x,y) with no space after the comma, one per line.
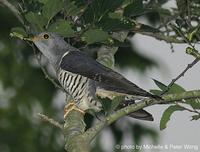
(92,132)
(190,51)
(190,110)
(13,10)
(160,36)
(193,52)
(189,66)
(74,127)
(50,120)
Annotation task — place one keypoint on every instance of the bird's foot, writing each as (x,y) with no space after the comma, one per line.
(72,106)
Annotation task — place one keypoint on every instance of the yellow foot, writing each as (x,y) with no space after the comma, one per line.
(71,106)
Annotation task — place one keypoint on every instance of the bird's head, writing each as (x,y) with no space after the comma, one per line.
(49,42)
(51,45)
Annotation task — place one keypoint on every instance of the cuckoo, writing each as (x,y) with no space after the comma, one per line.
(84,78)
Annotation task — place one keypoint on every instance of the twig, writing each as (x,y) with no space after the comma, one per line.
(50,120)
(180,75)
(190,110)
(170,19)
(168,34)
(159,36)
(192,51)
(13,10)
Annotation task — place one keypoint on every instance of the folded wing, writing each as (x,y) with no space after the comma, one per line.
(79,63)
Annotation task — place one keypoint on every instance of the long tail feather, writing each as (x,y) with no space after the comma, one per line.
(139,114)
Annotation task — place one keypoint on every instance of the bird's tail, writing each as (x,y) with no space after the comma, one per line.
(139,114)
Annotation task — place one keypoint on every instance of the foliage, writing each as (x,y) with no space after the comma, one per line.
(175,88)
(166,115)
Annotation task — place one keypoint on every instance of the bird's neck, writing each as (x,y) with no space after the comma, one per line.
(55,56)
(55,59)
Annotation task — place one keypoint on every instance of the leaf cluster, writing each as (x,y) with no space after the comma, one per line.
(174,106)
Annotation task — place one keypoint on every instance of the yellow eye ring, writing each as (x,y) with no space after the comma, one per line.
(46,36)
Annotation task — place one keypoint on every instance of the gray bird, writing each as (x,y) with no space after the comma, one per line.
(84,78)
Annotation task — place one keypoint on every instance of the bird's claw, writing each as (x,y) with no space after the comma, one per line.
(72,106)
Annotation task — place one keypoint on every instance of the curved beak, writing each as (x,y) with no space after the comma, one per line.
(14,34)
(31,39)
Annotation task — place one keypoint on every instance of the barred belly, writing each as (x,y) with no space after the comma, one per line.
(78,87)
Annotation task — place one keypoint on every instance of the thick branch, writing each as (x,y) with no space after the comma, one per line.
(74,127)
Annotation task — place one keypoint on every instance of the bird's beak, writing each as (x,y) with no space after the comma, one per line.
(32,39)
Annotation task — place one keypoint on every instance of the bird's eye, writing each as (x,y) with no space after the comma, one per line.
(46,36)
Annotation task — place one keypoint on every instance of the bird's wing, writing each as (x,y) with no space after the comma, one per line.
(79,63)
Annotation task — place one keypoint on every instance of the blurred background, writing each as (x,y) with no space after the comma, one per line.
(24,92)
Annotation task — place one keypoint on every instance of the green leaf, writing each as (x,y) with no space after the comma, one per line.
(191,35)
(106,104)
(98,9)
(110,105)
(94,35)
(43,1)
(115,15)
(135,8)
(175,88)
(113,24)
(160,85)
(19,30)
(194,103)
(156,92)
(167,114)
(36,20)
(195,117)
(51,8)
(116,101)
(62,27)
(74,7)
